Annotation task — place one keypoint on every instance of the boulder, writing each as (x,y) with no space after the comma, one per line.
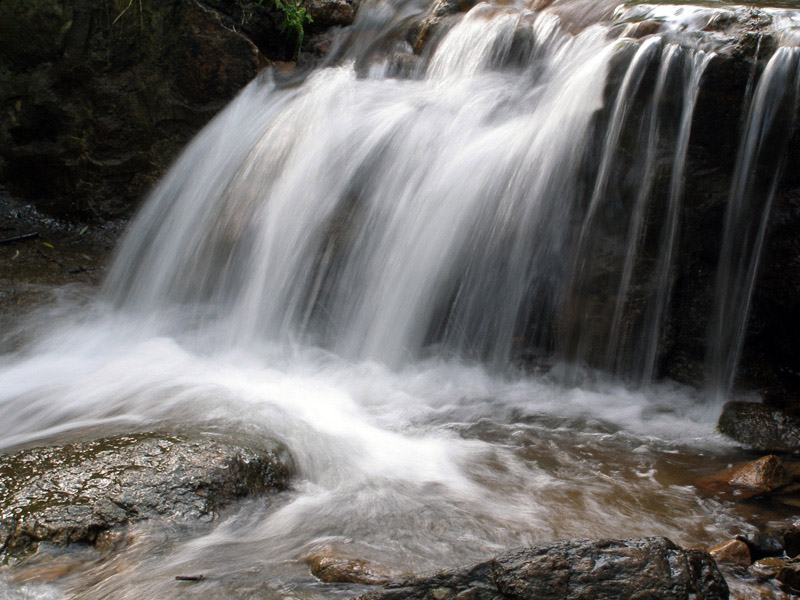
(72,493)
(760,426)
(587,569)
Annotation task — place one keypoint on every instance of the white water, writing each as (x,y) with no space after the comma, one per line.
(350,265)
(755,179)
(432,465)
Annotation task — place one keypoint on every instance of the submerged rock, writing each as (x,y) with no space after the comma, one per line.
(73,493)
(761,427)
(329,566)
(597,569)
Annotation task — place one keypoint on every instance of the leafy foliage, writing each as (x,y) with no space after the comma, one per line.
(294,17)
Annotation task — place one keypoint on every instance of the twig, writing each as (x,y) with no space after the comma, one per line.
(119,16)
(20,238)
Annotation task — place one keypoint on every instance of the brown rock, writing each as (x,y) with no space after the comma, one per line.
(767,568)
(329,566)
(747,480)
(766,473)
(789,576)
(791,540)
(733,552)
(645,28)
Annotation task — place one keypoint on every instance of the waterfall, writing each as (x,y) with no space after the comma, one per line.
(507,200)
(669,231)
(377,216)
(448,283)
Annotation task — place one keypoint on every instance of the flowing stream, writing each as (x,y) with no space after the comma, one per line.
(396,271)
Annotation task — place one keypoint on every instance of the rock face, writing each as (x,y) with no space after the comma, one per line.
(96,99)
(72,493)
(760,426)
(586,569)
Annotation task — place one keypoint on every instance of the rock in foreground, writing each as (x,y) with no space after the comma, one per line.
(641,569)
(72,493)
(760,426)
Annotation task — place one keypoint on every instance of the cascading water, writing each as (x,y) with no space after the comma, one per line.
(755,178)
(353,263)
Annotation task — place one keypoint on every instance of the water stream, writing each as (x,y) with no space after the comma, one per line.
(408,279)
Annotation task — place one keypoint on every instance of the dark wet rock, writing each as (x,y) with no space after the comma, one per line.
(785,571)
(597,569)
(330,13)
(330,566)
(761,427)
(789,577)
(732,552)
(73,493)
(767,568)
(763,544)
(96,101)
(91,119)
(791,540)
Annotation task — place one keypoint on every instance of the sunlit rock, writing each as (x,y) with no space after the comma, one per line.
(733,552)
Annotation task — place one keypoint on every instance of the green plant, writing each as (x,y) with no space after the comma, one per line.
(294,17)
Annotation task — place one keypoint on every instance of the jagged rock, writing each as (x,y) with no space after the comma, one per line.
(72,493)
(331,567)
(733,552)
(761,427)
(597,569)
